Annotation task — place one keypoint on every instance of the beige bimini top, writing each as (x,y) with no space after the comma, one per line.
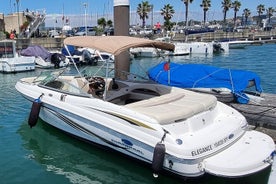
(115,44)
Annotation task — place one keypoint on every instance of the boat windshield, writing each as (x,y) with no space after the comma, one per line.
(48,76)
(66,84)
(6,49)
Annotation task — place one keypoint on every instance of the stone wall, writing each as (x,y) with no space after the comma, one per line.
(49,43)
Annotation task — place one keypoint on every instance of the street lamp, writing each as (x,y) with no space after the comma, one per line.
(85,21)
(17,2)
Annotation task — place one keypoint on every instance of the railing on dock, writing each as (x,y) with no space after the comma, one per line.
(220,35)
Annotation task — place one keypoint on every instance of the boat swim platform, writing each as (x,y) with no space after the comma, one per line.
(259,113)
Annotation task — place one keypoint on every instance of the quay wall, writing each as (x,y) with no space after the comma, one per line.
(268,36)
(220,35)
(48,43)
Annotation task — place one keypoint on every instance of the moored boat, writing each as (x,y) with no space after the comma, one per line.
(239,44)
(11,61)
(44,58)
(172,129)
(240,89)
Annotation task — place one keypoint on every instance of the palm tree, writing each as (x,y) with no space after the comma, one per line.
(260,10)
(167,12)
(206,4)
(226,5)
(143,10)
(102,22)
(270,12)
(187,2)
(109,23)
(236,5)
(246,13)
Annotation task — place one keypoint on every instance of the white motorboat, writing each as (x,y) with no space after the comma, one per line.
(179,50)
(239,44)
(172,129)
(42,63)
(11,61)
(146,52)
(44,58)
(56,61)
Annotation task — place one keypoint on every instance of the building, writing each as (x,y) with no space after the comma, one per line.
(2,23)
(11,21)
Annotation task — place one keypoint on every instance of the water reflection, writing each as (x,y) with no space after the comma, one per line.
(78,161)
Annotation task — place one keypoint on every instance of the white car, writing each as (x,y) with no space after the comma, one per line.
(146,31)
(132,32)
(90,32)
(53,33)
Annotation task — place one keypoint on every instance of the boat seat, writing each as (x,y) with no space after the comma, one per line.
(175,106)
(79,83)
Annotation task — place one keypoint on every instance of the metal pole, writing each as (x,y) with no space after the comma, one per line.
(85,21)
(17,1)
(151,16)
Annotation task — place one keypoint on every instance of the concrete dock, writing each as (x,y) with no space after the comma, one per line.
(270,132)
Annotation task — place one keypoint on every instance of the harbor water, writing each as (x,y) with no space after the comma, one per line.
(43,154)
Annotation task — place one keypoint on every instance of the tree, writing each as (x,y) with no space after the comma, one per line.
(270,12)
(109,23)
(206,4)
(143,10)
(226,5)
(260,10)
(246,13)
(167,12)
(102,22)
(186,3)
(236,5)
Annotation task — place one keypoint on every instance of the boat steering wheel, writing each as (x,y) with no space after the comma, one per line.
(96,85)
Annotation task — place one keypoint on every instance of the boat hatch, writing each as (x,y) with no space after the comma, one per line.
(250,154)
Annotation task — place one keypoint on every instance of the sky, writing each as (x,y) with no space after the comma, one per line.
(104,8)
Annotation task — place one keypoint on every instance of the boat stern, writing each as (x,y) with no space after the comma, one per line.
(253,152)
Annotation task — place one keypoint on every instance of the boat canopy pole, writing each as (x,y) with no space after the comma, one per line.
(72,60)
(106,73)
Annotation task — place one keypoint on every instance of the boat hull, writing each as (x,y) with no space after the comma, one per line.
(20,64)
(102,136)
(78,116)
(90,131)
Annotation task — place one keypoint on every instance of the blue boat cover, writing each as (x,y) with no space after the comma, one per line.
(204,76)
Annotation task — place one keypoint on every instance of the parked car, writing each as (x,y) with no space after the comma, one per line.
(146,31)
(53,33)
(69,33)
(109,31)
(132,32)
(91,31)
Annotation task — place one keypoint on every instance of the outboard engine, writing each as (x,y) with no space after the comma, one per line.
(87,57)
(56,58)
